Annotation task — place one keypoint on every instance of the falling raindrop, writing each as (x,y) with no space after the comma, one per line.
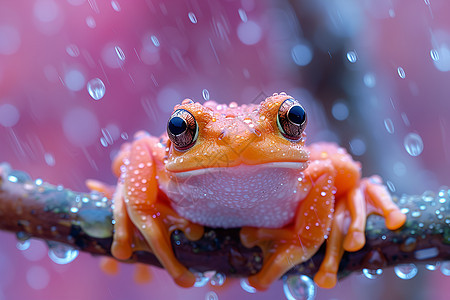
(406,271)
(434,54)
(96,88)
(115,5)
(124,136)
(192,17)
(401,72)
(372,274)
(73,50)
(369,80)
(351,56)
(61,254)
(389,126)
(247,287)
(155,41)
(298,287)
(391,186)
(90,21)
(445,268)
(205,94)
(413,144)
(242,15)
(120,53)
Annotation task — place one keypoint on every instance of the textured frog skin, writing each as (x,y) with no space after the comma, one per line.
(245,166)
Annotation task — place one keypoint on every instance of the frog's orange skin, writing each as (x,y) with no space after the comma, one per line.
(242,172)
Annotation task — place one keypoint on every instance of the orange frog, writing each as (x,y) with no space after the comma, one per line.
(248,166)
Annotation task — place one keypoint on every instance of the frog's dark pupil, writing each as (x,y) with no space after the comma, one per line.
(177,125)
(296,115)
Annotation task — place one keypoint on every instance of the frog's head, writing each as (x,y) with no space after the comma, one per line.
(220,136)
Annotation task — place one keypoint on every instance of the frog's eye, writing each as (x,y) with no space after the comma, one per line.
(182,129)
(291,119)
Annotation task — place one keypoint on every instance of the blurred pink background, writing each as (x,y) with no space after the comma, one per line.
(150,55)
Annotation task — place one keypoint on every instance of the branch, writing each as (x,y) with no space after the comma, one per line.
(84,221)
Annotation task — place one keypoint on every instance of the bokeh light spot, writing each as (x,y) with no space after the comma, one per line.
(9,115)
(9,40)
(249,33)
(74,80)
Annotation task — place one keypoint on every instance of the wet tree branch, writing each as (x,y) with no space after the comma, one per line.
(84,221)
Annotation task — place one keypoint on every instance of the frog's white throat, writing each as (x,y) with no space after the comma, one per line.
(263,195)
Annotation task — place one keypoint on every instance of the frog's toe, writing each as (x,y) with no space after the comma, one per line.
(395,219)
(354,241)
(325,279)
(185,279)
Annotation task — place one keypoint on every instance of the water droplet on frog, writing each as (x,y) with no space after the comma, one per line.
(200,279)
(18,176)
(246,286)
(211,296)
(205,94)
(120,53)
(406,271)
(401,72)
(389,125)
(218,279)
(432,267)
(413,144)
(23,245)
(351,56)
(428,196)
(96,88)
(298,287)
(61,254)
(115,5)
(372,274)
(192,17)
(434,54)
(445,268)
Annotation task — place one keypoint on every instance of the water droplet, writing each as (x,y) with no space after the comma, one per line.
(218,279)
(340,111)
(61,254)
(90,21)
(72,50)
(445,268)
(120,53)
(413,144)
(124,136)
(427,2)
(18,176)
(415,214)
(23,245)
(192,17)
(433,266)
(74,209)
(391,186)
(434,54)
(352,56)
(357,146)
(428,196)
(389,125)
(243,15)
(96,88)
(369,80)
(406,271)
(49,159)
(211,296)
(298,287)
(200,279)
(372,274)
(401,72)
(246,286)
(115,5)
(205,94)
(302,54)
(155,41)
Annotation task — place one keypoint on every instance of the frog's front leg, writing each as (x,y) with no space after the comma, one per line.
(136,200)
(286,247)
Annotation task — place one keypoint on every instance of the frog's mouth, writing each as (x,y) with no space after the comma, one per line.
(250,169)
